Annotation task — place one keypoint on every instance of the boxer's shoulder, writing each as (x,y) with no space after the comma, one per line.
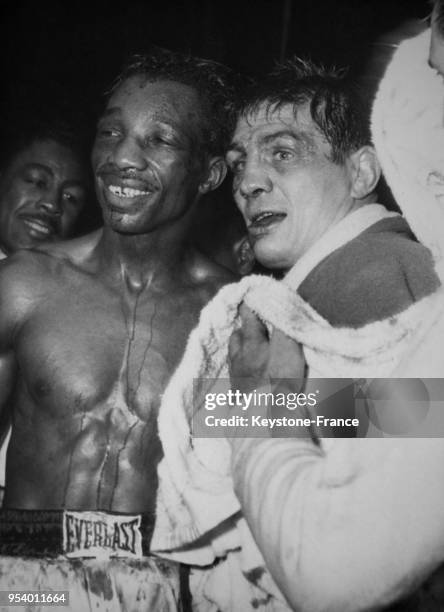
(74,251)
(34,274)
(208,276)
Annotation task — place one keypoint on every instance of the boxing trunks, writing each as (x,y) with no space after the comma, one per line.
(101,559)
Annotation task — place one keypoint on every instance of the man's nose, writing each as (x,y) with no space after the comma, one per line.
(51,203)
(255,179)
(128,154)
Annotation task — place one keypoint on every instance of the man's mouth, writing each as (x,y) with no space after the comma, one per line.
(40,228)
(127,192)
(264,220)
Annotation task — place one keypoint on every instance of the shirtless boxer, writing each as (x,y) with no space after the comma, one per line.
(91,330)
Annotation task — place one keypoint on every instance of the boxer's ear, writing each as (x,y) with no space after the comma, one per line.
(365,172)
(214,176)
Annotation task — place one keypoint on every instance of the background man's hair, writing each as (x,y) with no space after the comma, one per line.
(214,83)
(438,14)
(22,132)
(335,104)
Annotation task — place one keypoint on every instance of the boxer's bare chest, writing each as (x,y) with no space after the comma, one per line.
(91,349)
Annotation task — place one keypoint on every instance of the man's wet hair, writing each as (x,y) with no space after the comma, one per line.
(438,15)
(21,133)
(335,104)
(215,84)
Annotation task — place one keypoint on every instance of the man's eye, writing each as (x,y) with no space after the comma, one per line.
(236,166)
(72,199)
(283,155)
(158,140)
(107,132)
(37,182)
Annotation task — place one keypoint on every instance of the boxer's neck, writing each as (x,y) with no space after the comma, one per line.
(143,257)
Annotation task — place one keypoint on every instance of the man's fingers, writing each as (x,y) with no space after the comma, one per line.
(284,342)
(234,343)
(286,357)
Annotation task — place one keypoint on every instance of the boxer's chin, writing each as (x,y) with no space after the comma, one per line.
(269,252)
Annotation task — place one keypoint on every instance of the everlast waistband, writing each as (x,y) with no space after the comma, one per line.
(50,533)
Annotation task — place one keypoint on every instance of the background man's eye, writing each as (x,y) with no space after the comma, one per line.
(40,183)
(73,199)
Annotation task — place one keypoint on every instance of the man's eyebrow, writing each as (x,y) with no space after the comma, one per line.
(235,147)
(287,133)
(38,166)
(75,182)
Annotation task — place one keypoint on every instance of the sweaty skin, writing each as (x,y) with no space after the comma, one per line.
(91,330)
(93,351)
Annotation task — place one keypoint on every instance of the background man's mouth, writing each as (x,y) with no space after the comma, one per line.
(40,227)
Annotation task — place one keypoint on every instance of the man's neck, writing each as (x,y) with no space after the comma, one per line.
(141,258)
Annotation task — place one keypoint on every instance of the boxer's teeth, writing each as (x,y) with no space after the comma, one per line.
(126,192)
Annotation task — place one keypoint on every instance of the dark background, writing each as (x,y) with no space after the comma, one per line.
(59,58)
(65,54)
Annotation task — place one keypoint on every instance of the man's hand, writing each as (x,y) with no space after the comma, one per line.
(255,359)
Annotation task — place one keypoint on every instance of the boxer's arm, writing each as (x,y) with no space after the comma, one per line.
(352,525)
(351,528)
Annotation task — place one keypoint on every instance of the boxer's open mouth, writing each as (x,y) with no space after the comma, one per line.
(265,219)
(127,192)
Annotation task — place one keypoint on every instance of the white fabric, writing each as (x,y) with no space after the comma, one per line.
(407,130)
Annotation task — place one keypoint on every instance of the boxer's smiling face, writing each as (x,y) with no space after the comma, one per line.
(42,191)
(146,156)
(285,183)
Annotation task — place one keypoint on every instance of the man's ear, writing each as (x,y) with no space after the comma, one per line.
(244,256)
(216,172)
(366,172)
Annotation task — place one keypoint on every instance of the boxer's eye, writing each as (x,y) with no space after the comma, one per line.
(107,130)
(158,140)
(236,165)
(283,155)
